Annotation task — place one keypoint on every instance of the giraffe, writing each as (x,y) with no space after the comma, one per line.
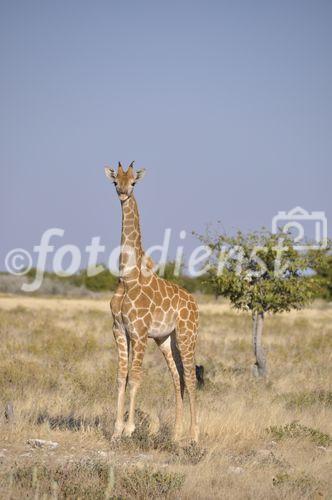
(147,306)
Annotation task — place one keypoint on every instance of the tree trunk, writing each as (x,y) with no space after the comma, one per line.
(259,368)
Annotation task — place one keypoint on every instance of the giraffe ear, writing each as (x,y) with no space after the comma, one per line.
(140,174)
(110,173)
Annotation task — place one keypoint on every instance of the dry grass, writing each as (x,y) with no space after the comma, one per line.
(58,365)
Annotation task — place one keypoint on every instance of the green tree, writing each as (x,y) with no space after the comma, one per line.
(103,281)
(261,273)
(322,267)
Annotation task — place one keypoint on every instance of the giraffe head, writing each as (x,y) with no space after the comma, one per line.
(124,181)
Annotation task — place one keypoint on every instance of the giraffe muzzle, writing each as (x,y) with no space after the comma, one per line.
(123,197)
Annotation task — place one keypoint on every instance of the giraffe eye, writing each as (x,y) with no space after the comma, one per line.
(115,183)
(133,183)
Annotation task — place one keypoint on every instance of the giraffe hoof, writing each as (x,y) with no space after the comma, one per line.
(117,434)
(129,429)
(115,439)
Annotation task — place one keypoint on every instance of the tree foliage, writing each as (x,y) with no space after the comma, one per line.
(261,271)
(322,267)
(103,281)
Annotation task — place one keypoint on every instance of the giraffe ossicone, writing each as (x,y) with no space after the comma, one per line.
(145,306)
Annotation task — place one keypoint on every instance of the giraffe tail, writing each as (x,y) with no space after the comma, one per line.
(200,376)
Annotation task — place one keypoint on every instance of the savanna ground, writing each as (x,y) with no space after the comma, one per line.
(259,439)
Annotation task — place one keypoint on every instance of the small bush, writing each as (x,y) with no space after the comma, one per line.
(89,479)
(74,480)
(146,483)
(297,430)
(303,483)
(192,454)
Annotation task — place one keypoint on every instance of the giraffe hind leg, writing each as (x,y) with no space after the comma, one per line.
(172,356)
(186,341)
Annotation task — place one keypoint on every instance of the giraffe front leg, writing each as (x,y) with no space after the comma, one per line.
(123,354)
(138,344)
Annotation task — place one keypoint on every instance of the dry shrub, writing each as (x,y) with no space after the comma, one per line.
(295,430)
(89,479)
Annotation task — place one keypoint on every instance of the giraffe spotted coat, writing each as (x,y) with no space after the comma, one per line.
(147,306)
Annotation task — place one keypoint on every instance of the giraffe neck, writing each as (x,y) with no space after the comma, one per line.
(131,246)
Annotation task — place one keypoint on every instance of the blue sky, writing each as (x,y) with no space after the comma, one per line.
(228,105)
